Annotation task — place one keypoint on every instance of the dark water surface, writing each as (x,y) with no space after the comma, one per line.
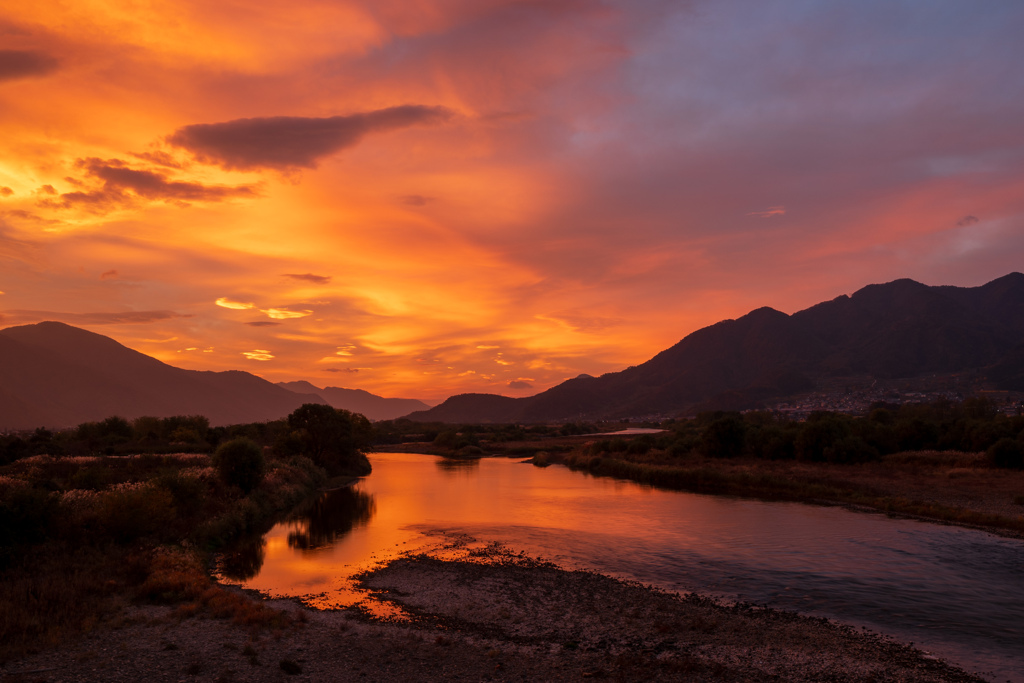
(956,593)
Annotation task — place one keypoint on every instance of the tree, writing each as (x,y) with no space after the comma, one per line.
(725,437)
(332,438)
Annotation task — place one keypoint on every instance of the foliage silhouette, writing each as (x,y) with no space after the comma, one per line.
(332,438)
(240,463)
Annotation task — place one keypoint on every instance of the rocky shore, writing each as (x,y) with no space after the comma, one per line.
(463,612)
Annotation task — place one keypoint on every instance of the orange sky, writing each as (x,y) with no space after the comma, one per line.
(424,198)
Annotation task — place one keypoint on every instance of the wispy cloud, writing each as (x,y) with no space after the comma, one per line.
(770,212)
(99,318)
(310,277)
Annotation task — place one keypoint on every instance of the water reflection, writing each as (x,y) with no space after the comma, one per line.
(244,560)
(329,518)
(955,592)
(458,465)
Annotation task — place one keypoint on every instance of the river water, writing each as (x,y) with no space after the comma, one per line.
(956,593)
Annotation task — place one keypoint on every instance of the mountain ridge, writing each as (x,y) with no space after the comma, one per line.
(901,328)
(358,400)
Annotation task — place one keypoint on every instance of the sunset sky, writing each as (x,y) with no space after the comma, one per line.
(421,198)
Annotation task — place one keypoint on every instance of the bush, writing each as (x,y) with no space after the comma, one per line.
(240,463)
(1007,453)
(136,512)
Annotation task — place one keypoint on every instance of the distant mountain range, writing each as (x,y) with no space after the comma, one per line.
(358,401)
(901,329)
(55,375)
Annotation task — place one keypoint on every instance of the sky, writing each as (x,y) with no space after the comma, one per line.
(422,198)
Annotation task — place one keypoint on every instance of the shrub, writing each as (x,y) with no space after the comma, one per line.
(640,446)
(188,492)
(132,513)
(1007,453)
(240,463)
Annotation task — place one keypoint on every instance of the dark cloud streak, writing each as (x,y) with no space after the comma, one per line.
(121,183)
(24,64)
(285,142)
(310,277)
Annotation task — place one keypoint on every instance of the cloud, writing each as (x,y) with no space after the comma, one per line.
(275,313)
(415,200)
(519,384)
(24,64)
(966,221)
(114,318)
(285,142)
(352,370)
(6,192)
(284,313)
(258,354)
(110,274)
(770,212)
(225,302)
(121,184)
(159,158)
(310,277)
(262,323)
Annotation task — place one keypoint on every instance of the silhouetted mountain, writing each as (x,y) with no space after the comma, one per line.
(358,401)
(56,375)
(899,329)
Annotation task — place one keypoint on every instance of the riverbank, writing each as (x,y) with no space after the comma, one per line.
(484,613)
(944,487)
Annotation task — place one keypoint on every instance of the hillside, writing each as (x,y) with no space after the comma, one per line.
(56,375)
(899,329)
(358,401)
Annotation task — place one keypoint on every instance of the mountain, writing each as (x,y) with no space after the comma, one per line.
(358,401)
(56,375)
(894,330)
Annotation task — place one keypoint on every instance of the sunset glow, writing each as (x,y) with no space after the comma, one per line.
(444,196)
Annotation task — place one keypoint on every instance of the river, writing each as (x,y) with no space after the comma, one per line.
(956,593)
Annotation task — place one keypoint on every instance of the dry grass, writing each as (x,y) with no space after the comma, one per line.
(56,590)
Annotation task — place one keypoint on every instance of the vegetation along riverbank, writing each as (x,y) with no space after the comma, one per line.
(105,555)
(960,463)
(82,536)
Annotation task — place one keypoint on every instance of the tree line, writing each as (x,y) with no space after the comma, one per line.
(332,438)
(973,425)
